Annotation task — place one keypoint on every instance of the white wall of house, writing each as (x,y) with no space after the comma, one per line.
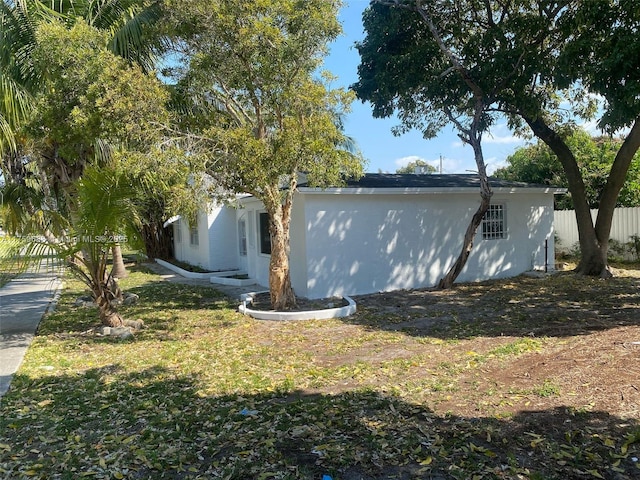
(215,247)
(367,243)
(356,243)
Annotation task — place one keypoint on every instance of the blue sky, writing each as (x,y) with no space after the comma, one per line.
(379,146)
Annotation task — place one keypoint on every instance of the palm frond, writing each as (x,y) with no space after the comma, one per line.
(105,202)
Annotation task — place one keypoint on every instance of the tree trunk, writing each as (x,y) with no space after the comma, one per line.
(473,138)
(447,281)
(609,197)
(92,272)
(109,317)
(594,240)
(282,295)
(158,241)
(118,270)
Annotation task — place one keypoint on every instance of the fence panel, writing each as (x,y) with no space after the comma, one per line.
(626,222)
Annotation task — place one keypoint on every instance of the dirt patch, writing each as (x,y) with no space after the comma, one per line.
(262,301)
(491,348)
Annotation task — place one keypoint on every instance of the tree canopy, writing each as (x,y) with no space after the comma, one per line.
(544,64)
(72,177)
(536,163)
(126,23)
(414,164)
(253,67)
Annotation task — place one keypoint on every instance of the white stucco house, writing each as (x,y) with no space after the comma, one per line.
(380,233)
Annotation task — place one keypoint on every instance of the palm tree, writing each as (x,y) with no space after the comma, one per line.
(104,213)
(127,21)
(128,25)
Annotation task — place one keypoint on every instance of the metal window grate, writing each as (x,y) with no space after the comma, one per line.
(493,226)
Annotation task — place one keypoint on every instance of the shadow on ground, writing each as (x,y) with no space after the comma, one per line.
(562,305)
(153,424)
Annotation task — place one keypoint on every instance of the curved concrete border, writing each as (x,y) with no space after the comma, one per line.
(234,282)
(194,275)
(326,313)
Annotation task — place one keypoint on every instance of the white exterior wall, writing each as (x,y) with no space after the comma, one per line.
(298,262)
(217,247)
(350,244)
(367,243)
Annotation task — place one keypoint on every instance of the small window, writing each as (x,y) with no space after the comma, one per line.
(177,231)
(493,226)
(265,234)
(242,237)
(193,236)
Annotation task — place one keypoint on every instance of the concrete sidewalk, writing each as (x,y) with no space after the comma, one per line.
(23,302)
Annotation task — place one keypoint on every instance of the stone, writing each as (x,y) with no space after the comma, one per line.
(121,332)
(135,324)
(84,301)
(130,299)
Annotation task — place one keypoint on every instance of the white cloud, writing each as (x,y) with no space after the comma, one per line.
(494,164)
(501,134)
(453,165)
(502,139)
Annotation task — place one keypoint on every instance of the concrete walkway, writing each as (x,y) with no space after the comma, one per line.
(23,302)
(230,291)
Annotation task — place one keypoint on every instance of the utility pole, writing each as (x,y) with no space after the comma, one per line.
(440,164)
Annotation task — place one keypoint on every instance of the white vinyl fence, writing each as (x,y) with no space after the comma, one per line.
(626,222)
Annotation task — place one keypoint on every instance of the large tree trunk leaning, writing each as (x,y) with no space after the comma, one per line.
(594,240)
(446,282)
(280,289)
(118,270)
(615,182)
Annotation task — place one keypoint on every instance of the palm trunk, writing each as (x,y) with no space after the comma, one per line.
(91,268)
(118,270)
(109,317)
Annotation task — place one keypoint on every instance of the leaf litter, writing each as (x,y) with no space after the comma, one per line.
(511,379)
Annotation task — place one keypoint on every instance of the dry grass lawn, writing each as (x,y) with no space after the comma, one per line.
(527,378)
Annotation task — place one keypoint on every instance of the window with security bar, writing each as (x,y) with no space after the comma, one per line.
(493,223)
